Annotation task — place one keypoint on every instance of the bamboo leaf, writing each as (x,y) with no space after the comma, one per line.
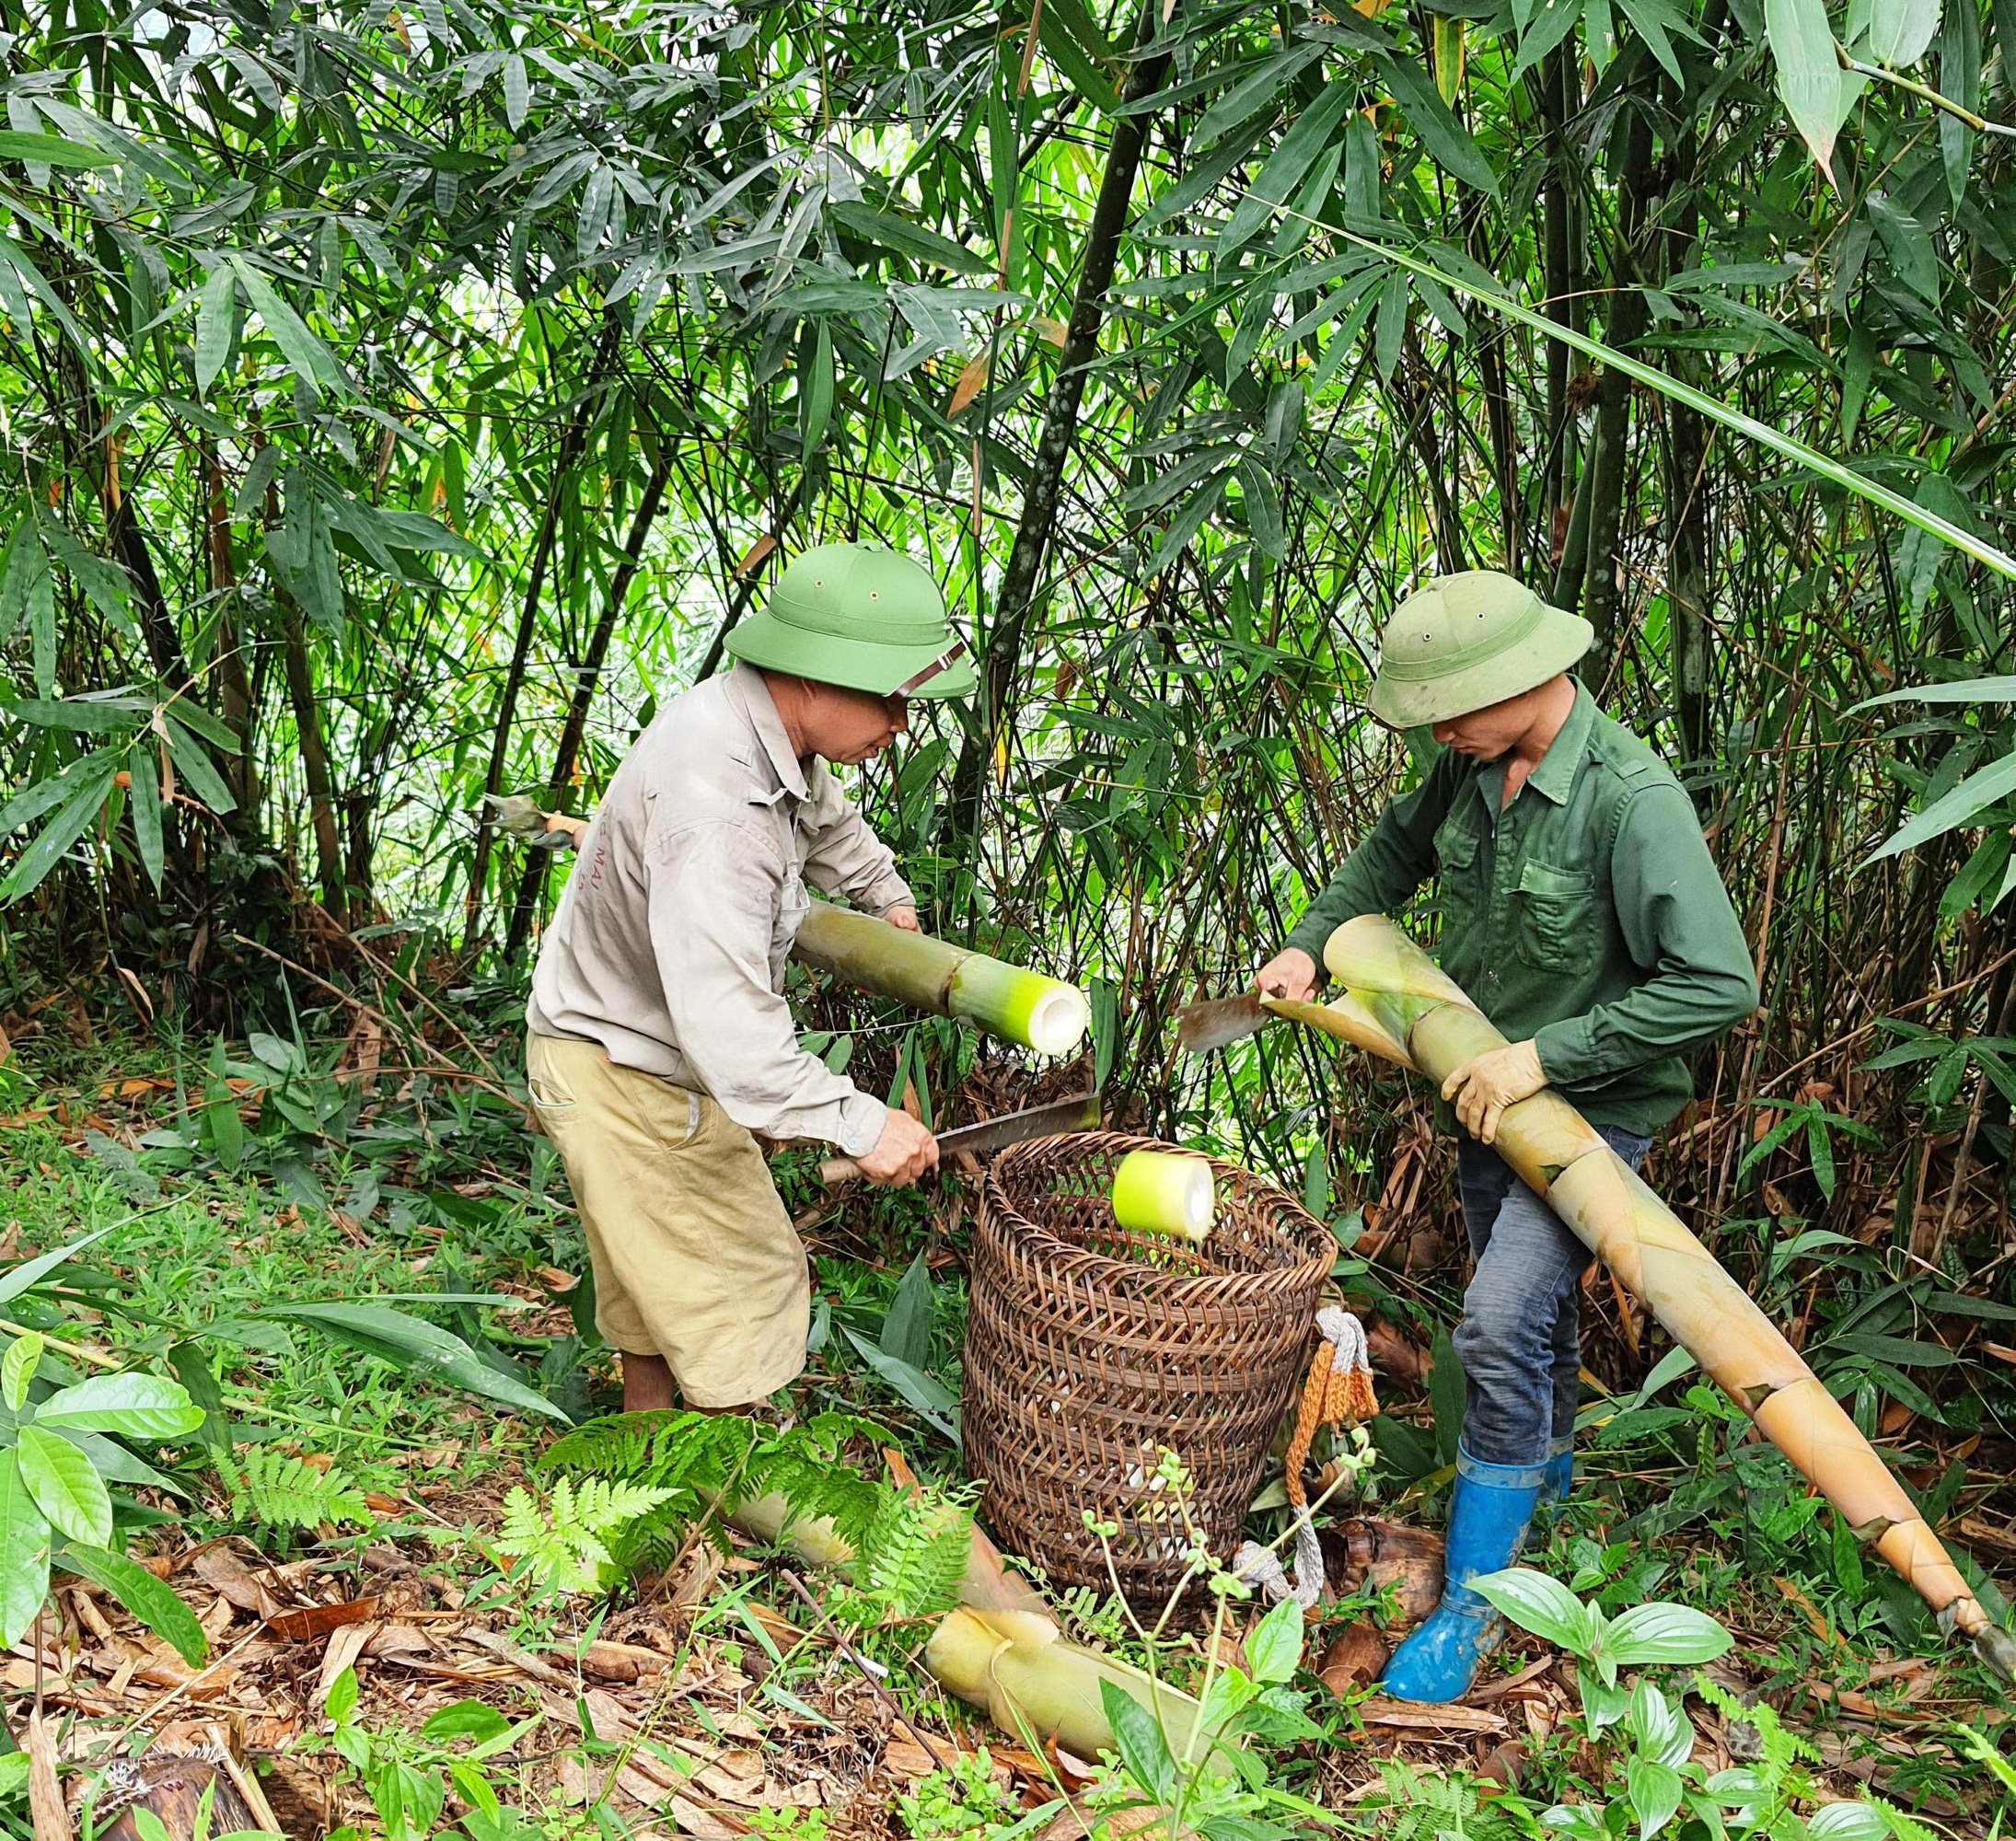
(1975,795)
(1446,139)
(1775,440)
(306,356)
(1809,73)
(907,238)
(216,317)
(147,812)
(71,820)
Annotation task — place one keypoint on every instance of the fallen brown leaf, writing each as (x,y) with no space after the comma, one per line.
(318,1620)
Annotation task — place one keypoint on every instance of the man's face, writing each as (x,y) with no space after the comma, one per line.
(847,728)
(1486,733)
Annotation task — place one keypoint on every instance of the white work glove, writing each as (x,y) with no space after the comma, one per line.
(1486,1084)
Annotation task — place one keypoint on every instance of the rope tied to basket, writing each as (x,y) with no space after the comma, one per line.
(1336,1392)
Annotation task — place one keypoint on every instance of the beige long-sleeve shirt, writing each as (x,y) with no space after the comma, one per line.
(669,945)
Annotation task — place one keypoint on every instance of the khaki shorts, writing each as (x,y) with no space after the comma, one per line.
(693,1254)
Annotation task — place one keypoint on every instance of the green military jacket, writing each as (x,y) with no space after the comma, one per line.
(1586,915)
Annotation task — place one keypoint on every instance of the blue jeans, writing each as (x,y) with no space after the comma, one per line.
(1520,1342)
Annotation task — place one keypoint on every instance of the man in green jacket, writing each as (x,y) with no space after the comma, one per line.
(1581,909)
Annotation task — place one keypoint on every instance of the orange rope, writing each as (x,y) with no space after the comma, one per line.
(1330,1396)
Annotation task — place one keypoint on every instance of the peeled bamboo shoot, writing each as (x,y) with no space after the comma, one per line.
(1398,1005)
(1039,1012)
(1164,1192)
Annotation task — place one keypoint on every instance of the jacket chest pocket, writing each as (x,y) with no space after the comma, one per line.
(1459,871)
(1558,919)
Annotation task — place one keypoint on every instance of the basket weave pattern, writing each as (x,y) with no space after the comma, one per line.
(1090,1348)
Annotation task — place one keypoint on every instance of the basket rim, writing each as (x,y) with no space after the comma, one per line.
(1062,1257)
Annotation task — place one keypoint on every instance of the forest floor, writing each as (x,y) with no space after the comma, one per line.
(377,1664)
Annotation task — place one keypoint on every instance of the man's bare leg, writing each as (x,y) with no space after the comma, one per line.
(647,1384)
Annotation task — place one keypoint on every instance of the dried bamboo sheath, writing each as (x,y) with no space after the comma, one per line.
(1397,1005)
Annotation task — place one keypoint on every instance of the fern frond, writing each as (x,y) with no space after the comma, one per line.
(279,1492)
(565,1545)
(914,1554)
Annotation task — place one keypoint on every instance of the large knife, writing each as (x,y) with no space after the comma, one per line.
(1220,1021)
(1079,1113)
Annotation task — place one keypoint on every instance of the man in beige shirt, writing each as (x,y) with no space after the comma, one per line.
(659,1039)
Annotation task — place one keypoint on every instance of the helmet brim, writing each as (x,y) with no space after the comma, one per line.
(850,664)
(1556,643)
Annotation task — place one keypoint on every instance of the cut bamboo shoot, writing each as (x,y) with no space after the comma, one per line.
(1038,1012)
(1164,1192)
(1397,1003)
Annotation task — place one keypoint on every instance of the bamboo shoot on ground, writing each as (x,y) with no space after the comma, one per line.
(1002,1651)
(1165,1192)
(1039,1012)
(1397,1003)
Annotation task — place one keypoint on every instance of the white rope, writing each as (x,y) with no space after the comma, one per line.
(1261,1567)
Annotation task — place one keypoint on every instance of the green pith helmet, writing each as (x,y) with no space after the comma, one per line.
(860,616)
(1469,641)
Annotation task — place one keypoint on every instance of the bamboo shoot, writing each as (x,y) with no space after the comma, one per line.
(1000,1651)
(1163,1192)
(1038,1012)
(1397,1005)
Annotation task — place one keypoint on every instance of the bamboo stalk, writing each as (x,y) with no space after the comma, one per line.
(1039,1012)
(1165,1192)
(1397,1003)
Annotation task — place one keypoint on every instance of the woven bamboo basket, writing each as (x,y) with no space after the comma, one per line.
(1091,1349)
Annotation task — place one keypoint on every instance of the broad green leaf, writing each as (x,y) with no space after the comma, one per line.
(342,1700)
(816,394)
(66,1489)
(464,1719)
(216,317)
(1653,1789)
(24,1553)
(926,1395)
(1659,1728)
(1251,93)
(1274,1650)
(1810,78)
(149,1599)
(1850,1821)
(134,1405)
(1895,33)
(408,1341)
(50,150)
(1963,690)
(1138,1737)
(1541,1605)
(906,1330)
(18,1367)
(1675,1634)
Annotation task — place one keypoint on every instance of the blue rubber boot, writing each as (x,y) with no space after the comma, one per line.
(1560,1482)
(1487,1521)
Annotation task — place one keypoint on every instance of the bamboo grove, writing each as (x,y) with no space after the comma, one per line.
(396,402)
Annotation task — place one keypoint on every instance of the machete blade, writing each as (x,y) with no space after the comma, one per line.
(1222,1020)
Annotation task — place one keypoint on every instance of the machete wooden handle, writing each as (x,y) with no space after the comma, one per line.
(837,1171)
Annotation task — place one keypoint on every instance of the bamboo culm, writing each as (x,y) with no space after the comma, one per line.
(1398,1004)
(1024,1007)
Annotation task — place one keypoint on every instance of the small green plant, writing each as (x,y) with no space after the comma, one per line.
(282,1494)
(408,1775)
(1417,1806)
(789,1823)
(960,1802)
(57,1452)
(563,1546)
(1656,1634)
